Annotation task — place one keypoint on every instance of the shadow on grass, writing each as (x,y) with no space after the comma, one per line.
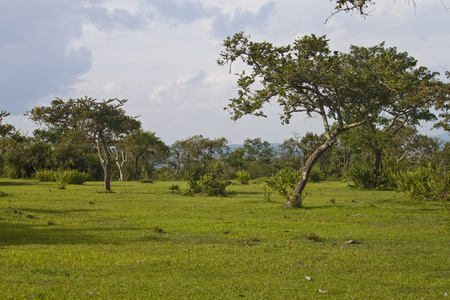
(14,183)
(54,211)
(27,234)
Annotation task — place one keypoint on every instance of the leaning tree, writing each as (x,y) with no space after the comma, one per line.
(101,124)
(345,90)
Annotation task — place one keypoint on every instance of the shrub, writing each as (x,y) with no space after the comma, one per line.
(194,188)
(62,177)
(46,175)
(209,184)
(74,177)
(315,175)
(284,182)
(174,187)
(425,183)
(364,177)
(242,177)
(361,175)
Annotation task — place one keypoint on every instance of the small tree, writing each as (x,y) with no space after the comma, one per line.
(137,145)
(101,124)
(196,153)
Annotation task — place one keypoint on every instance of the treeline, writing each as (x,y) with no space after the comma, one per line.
(371,157)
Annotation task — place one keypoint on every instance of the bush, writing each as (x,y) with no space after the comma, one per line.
(194,188)
(74,177)
(242,177)
(46,175)
(425,183)
(315,175)
(209,184)
(361,175)
(284,182)
(364,177)
(68,176)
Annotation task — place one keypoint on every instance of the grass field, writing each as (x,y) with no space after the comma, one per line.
(145,242)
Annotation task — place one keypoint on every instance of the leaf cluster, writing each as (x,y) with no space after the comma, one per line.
(103,121)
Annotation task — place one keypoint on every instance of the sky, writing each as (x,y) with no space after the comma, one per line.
(161,55)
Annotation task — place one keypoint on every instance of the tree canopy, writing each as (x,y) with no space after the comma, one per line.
(101,124)
(376,85)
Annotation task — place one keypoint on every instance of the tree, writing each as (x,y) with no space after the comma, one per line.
(235,158)
(101,124)
(259,155)
(443,106)
(195,153)
(289,153)
(140,144)
(345,90)
(5,129)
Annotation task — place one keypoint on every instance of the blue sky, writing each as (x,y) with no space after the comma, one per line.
(161,55)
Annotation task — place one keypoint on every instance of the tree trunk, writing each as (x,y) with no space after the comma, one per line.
(376,167)
(107,177)
(120,167)
(104,157)
(296,199)
(135,168)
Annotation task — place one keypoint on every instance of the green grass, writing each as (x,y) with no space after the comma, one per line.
(146,241)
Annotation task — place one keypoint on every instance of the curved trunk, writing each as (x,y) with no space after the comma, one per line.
(120,168)
(296,199)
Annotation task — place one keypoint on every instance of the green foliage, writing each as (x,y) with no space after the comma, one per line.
(209,184)
(74,177)
(316,175)
(242,177)
(62,177)
(364,178)
(284,182)
(61,180)
(193,156)
(46,175)
(425,183)
(174,187)
(361,175)
(99,124)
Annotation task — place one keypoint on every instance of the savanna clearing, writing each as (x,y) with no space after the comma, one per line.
(145,241)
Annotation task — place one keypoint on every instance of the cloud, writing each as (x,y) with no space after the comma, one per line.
(227,24)
(117,19)
(180,12)
(179,94)
(34,56)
